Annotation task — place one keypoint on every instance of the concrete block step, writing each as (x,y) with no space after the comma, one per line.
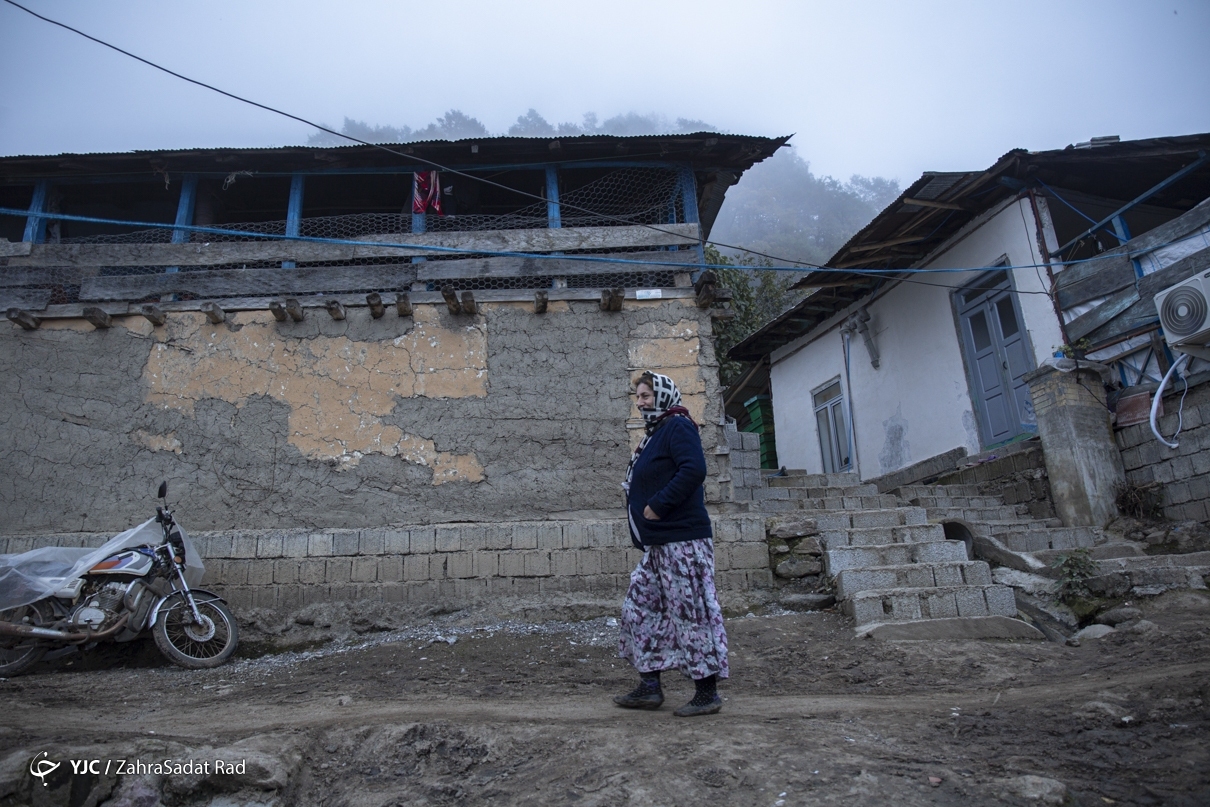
(1127,563)
(1003,512)
(941,602)
(912,491)
(1029,537)
(851,582)
(863,519)
(839,558)
(883,501)
(882,536)
(814,490)
(963,502)
(817,480)
(1101,552)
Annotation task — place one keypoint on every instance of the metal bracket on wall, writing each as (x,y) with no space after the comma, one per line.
(859,323)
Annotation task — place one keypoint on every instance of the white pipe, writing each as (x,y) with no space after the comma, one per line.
(1159,395)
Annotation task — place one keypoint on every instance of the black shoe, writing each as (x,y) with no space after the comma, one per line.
(689,710)
(640,698)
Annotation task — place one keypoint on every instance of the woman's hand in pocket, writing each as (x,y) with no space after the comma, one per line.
(649,514)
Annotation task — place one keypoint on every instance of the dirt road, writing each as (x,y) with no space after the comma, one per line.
(520,714)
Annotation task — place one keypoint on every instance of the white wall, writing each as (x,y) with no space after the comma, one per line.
(918,404)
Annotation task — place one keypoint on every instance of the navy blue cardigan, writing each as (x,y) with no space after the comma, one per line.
(668,477)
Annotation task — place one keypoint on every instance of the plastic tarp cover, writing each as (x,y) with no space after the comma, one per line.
(31,576)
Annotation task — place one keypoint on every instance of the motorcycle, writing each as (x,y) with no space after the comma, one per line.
(140,581)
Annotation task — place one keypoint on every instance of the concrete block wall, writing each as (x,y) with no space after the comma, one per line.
(453,563)
(1184,472)
(742,467)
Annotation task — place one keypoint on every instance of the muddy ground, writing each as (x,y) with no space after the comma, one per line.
(516,713)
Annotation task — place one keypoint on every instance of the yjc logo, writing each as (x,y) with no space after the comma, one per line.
(42,768)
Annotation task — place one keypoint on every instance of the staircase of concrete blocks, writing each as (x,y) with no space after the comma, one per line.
(889,562)
(997,526)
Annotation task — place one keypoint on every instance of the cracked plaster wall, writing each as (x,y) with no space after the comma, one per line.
(324,423)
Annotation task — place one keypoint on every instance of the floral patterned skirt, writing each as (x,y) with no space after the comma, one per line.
(671,619)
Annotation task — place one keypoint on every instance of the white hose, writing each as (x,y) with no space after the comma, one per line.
(1159,395)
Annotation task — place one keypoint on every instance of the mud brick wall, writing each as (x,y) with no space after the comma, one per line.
(506,415)
(452,563)
(1184,472)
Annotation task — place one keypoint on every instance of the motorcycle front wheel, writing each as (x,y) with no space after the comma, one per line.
(192,645)
(19,653)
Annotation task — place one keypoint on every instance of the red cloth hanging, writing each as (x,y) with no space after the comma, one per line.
(427,194)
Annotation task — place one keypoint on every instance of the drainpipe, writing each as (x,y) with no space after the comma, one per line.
(845,333)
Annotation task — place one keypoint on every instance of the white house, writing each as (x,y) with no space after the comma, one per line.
(883,371)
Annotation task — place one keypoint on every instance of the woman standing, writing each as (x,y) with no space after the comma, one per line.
(671,619)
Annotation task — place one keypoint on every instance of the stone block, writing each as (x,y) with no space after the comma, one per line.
(395,592)
(459,565)
(525,536)
(437,566)
(474,537)
(876,518)
(600,534)
(339,570)
(941,605)
(749,555)
(264,597)
(234,572)
(1182,467)
(563,563)
(971,602)
(342,592)
(448,539)
(285,571)
(395,542)
(498,536)
(536,563)
(260,573)
(219,546)
(243,546)
(294,546)
(390,569)
(575,535)
(617,561)
(550,535)
(372,542)
(512,564)
(415,568)
(751,528)
(364,570)
(422,540)
(290,597)
(947,575)
(237,596)
(1001,601)
(268,546)
(918,576)
(751,441)
(319,545)
(344,542)
(316,593)
(312,570)
(485,563)
(977,573)
(589,561)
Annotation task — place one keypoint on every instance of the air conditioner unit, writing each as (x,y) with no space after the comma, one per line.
(1185,315)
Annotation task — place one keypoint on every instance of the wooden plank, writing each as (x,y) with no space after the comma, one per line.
(219,253)
(12,249)
(1174,273)
(119,309)
(1086,323)
(1139,318)
(72,275)
(464,268)
(246,282)
(1110,274)
(29,299)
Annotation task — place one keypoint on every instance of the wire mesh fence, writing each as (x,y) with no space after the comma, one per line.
(587,198)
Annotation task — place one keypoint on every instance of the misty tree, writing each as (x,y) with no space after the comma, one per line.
(453,125)
(782,209)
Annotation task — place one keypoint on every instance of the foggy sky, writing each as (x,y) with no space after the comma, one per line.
(875,88)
